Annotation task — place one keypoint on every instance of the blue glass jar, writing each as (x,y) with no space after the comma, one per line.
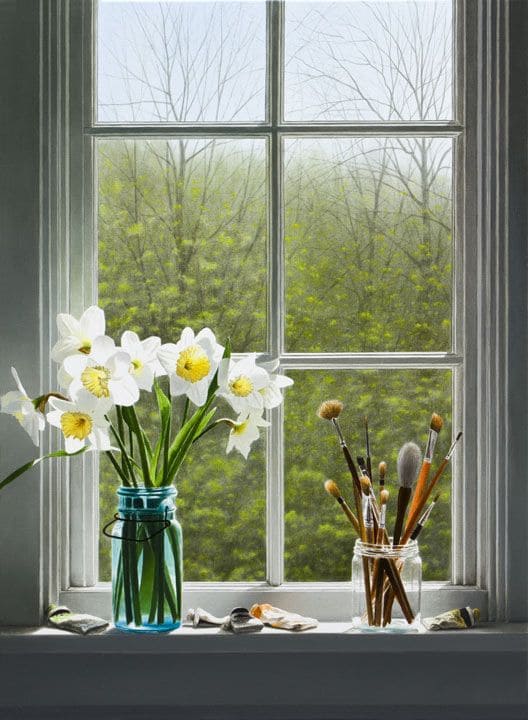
(147,562)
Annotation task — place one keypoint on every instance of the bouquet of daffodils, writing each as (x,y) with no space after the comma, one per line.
(98,377)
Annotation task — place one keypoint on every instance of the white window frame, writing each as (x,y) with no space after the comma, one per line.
(480,347)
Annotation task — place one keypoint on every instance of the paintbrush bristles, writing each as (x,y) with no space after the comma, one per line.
(382,469)
(365,484)
(330,409)
(408,464)
(331,488)
(384,496)
(436,422)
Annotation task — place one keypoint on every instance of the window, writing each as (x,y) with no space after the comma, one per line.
(293,179)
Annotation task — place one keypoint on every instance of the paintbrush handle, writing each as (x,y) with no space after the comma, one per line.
(350,515)
(404,495)
(414,515)
(420,484)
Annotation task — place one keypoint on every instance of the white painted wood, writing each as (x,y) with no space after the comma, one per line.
(327,602)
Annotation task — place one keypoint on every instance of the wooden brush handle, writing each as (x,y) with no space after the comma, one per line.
(404,495)
(414,515)
(420,484)
(350,515)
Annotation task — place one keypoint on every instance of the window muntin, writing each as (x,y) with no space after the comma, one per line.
(277,135)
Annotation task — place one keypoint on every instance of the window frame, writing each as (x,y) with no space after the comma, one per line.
(76,520)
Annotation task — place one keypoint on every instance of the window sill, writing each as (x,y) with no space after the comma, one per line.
(321,674)
(328,602)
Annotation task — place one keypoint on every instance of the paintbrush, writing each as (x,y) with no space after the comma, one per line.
(332,489)
(434,429)
(330,410)
(425,517)
(408,467)
(379,574)
(414,515)
(414,518)
(367,442)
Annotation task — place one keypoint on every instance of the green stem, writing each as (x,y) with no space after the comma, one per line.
(161,578)
(27,466)
(126,574)
(227,421)
(126,465)
(117,468)
(121,431)
(176,551)
(185,411)
(132,421)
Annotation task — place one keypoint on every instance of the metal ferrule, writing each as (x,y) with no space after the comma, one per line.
(340,434)
(369,522)
(383,511)
(451,451)
(431,443)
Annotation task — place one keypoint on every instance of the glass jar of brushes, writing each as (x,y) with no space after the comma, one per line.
(386,587)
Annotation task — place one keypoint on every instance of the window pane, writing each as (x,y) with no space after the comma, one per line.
(181,61)
(369,61)
(182,238)
(368,244)
(319,540)
(221,506)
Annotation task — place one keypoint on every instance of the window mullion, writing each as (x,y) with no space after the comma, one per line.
(275,465)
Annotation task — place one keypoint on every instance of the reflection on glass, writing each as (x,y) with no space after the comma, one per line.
(181,61)
(182,237)
(221,506)
(319,540)
(369,61)
(368,244)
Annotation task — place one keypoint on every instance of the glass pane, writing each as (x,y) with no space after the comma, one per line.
(369,61)
(182,237)
(221,506)
(319,540)
(182,240)
(181,61)
(368,244)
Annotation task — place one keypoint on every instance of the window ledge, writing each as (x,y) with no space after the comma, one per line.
(327,673)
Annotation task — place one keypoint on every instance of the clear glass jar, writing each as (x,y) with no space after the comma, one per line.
(147,569)
(391,579)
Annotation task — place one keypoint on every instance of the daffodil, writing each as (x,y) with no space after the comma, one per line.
(77,336)
(242,384)
(82,421)
(191,363)
(244,432)
(18,404)
(144,363)
(271,393)
(105,373)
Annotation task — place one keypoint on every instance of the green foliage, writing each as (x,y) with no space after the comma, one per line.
(368,267)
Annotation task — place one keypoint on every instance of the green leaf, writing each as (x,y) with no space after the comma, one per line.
(27,466)
(130,417)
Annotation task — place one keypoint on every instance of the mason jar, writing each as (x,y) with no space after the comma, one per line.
(386,587)
(147,565)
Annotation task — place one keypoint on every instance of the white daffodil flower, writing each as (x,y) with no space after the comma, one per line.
(244,432)
(18,404)
(191,363)
(82,421)
(144,365)
(242,384)
(271,393)
(77,336)
(105,373)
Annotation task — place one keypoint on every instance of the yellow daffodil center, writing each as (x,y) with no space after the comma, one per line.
(193,364)
(137,366)
(241,386)
(95,380)
(76,424)
(240,429)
